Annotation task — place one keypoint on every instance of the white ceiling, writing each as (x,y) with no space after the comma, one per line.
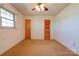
(26,8)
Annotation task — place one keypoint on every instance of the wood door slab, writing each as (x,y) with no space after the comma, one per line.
(27,29)
(47,30)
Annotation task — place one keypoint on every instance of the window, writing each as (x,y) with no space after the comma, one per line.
(7,19)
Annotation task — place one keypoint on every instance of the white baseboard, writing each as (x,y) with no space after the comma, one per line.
(73,50)
(12,45)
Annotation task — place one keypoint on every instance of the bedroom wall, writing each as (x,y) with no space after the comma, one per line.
(37,26)
(67,27)
(11,36)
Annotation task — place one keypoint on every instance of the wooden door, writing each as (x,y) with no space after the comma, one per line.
(47,30)
(27,29)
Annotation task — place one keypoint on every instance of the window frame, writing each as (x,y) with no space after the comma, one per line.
(14,21)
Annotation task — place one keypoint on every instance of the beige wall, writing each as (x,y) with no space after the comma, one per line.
(67,27)
(37,26)
(9,37)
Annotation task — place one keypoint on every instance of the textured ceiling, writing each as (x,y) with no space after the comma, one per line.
(26,8)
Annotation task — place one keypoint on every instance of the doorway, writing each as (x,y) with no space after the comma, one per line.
(27,29)
(47,29)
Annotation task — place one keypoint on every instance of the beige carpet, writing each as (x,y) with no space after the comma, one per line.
(39,48)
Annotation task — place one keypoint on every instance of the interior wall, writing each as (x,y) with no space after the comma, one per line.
(37,26)
(67,27)
(11,36)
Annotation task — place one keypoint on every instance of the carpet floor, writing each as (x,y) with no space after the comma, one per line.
(39,48)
